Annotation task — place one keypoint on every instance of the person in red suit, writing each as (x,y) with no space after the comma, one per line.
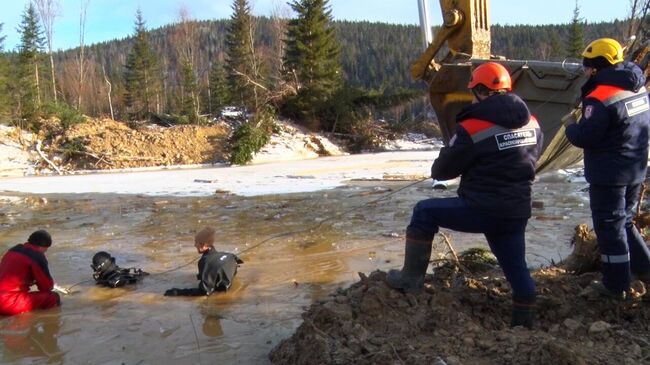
(21,267)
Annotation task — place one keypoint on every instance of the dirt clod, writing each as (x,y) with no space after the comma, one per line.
(467,322)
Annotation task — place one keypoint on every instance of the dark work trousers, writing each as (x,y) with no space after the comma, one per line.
(623,250)
(506,237)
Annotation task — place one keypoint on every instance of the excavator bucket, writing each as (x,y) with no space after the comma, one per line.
(550,89)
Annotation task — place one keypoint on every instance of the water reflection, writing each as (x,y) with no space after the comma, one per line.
(212,326)
(277,281)
(32,337)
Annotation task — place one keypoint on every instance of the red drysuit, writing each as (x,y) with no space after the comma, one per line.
(21,267)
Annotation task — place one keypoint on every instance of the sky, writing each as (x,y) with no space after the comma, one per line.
(113,19)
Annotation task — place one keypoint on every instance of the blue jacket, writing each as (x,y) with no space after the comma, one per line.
(495,149)
(613,130)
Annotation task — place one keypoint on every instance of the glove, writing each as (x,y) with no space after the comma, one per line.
(440,184)
(173,292)
(60,289)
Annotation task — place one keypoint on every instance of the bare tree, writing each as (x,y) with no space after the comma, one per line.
(108,91)
(256,78)
(279,18)
(48,10)
(637,24)
(186,43)
(82,33)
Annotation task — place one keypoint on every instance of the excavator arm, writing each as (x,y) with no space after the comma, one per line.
(550,89)
(466,31)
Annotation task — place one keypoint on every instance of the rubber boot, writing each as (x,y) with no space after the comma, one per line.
(416,261)
(523,314)
(601,289)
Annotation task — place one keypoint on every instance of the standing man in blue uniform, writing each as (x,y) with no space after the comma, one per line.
(495,150)
(613,131)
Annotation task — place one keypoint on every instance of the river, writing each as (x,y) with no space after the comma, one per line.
(302,228)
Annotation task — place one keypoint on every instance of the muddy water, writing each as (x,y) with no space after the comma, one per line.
(279,278)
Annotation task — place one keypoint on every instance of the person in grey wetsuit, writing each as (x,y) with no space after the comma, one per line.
(217,269)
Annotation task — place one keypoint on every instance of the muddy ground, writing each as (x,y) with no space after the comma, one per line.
(463,319)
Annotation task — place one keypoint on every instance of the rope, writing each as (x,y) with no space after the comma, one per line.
(332,217)
(283,234)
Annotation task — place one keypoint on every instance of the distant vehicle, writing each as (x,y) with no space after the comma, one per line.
(233,112)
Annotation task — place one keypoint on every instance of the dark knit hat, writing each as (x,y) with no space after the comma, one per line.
(40,238)
(598,63)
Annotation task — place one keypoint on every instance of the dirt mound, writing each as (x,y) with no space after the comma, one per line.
(107,144)
(464,319)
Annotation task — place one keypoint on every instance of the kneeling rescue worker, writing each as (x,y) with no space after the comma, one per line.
(495,150)
(613,131)
(21,267)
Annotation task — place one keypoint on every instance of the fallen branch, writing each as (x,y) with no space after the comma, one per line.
(396,354)
(251,81)
(135,158)
(641,194)
(40,153)
(453,252)
(99,159)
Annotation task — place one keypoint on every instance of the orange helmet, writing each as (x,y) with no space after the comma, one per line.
(491,75)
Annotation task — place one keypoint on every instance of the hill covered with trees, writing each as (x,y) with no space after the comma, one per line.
(325,74)
(374,56)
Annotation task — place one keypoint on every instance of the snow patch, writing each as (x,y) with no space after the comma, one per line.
(15,160)
(294,143)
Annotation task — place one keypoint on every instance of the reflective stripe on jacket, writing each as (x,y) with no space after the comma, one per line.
(495,150)
(614,127)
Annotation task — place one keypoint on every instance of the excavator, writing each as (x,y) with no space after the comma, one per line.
(550,89)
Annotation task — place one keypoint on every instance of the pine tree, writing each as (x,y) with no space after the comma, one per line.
(5,103)
(219,94)
(556,47)
(26,87)
(241,65)
(189,104)
(142,75)
(576,43)
(312,57)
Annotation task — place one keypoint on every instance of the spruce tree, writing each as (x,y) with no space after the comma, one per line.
(312,58)
(5,103)
(556,47)
(576,43)
(240,56)
(26,88)
(142,79)
(189,104)
(219,93)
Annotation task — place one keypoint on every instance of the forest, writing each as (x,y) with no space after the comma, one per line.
(374,56)
(191,69)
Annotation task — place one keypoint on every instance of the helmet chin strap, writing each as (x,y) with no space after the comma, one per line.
(477,96)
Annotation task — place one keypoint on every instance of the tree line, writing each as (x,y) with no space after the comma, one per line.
(309,67)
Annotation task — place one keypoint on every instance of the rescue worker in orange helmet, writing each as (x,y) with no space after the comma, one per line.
(494,151)
(613,132)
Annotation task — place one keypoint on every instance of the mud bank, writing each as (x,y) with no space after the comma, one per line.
(463,319)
